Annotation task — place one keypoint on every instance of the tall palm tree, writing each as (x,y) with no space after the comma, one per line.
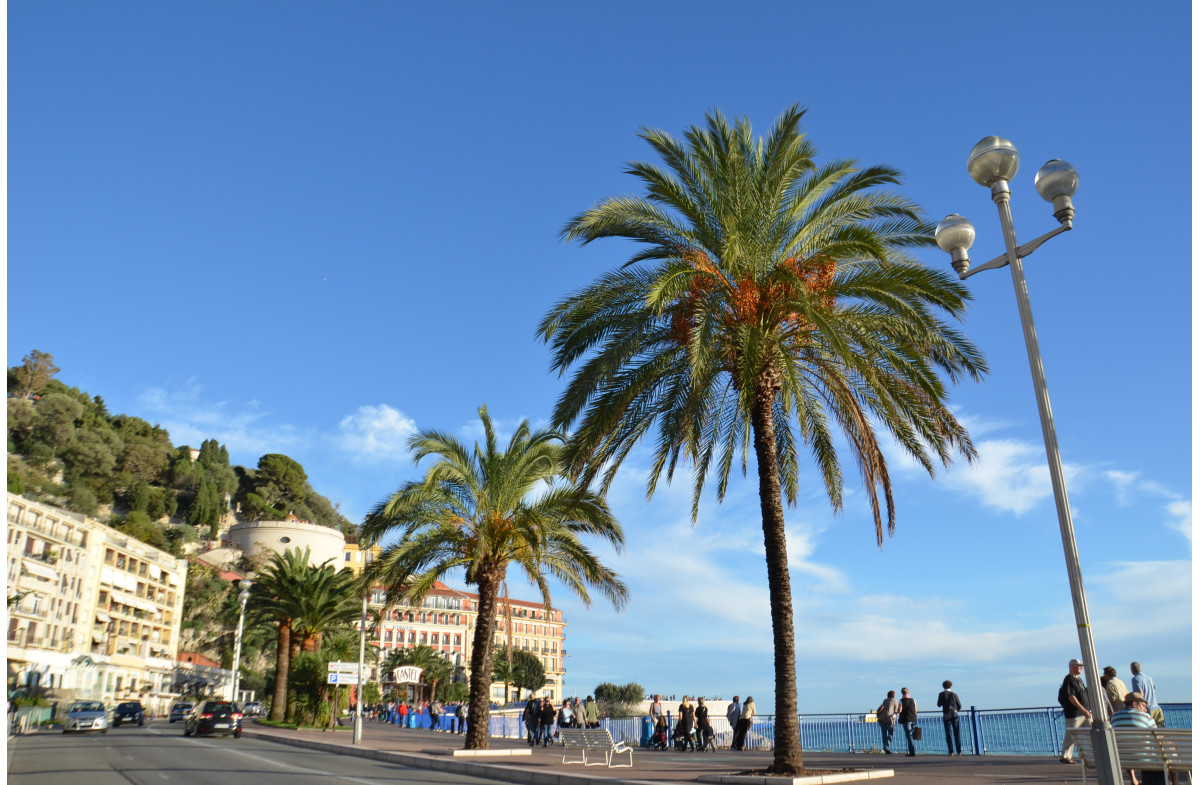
(481,511)
(770,301)
(276,597)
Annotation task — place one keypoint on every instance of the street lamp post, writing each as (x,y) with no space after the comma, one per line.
(245,585)
(993,163)
(362,649)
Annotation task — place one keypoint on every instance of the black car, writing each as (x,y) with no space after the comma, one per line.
(212,717)
(129,711)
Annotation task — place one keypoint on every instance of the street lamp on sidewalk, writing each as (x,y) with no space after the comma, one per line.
(993,163)
(245,585)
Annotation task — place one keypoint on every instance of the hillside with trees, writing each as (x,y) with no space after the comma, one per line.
(66,448)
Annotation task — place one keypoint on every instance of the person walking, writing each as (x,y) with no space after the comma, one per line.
(402,715)
(435,715)
(656,711)
(533,719)
(591,713)
(704,730)
(546,717)
(566,715)
(1144,684)
(687,720)
(733,713)
(745,722)
(461,714)
(1113,689)
(908,720)
(886,716)
(1072,696)
(950,705)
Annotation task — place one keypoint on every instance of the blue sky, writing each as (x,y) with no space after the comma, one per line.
(312,228)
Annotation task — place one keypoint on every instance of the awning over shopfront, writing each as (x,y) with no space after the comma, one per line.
(39,569)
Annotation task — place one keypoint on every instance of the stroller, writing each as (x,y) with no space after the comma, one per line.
(683,739)
(658,740)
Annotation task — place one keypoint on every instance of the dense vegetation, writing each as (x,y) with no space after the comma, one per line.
(66,448)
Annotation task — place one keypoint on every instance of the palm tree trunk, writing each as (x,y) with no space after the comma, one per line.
(788,755)
(282,665)
(481,664)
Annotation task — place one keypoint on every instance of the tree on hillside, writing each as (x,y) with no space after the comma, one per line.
(280,480)
(32,375)
(769,302)
(54,423)
(481,511)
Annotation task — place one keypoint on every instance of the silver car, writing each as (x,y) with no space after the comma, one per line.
(84,716)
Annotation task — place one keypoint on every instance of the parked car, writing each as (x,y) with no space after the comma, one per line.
(129,711)
(181,711)
(253,709)
(212,717)
(84,716)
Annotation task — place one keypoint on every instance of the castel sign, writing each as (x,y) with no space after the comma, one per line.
(407,674)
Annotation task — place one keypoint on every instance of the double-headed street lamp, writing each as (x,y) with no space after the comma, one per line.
(245,585)
(993,163)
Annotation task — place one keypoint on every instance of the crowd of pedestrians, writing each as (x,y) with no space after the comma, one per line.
(542,720)
(407,714)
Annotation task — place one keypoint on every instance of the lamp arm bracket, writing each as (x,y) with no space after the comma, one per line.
(1022,251)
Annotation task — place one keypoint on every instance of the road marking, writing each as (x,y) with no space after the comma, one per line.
(164,776)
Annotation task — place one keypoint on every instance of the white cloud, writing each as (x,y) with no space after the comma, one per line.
(1009,475)
(1129,487)
(376,433)
(190,420)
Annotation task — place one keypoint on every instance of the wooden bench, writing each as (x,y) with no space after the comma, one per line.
(1168,750)
(592,740)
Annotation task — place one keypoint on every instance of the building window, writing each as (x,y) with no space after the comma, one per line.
(458,640)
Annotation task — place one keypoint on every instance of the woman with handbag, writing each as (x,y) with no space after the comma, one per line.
(908,721)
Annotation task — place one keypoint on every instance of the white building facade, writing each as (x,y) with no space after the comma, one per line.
(93,613)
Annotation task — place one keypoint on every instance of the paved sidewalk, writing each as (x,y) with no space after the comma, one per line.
(419,748)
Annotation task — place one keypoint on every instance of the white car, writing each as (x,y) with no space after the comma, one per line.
(84,716)
(252,709)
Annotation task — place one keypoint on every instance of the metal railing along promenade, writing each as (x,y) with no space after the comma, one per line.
(1032,731)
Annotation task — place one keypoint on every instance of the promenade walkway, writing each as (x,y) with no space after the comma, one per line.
(421,748)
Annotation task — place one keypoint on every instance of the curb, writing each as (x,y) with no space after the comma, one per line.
(447,763)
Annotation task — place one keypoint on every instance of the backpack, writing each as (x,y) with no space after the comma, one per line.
(1062,696)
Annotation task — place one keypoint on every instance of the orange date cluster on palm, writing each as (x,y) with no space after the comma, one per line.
(754,301)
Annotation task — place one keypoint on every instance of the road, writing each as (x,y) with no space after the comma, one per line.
(159,754)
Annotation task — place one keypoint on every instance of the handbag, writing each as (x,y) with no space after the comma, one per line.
(917,733)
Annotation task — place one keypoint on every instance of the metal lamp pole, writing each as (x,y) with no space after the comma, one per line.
(993,163)
(245,585)
(358,691)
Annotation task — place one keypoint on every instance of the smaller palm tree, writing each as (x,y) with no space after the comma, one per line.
(277,598)
(480,511)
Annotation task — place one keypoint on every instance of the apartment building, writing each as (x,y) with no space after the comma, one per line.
(445,620)
(93,613)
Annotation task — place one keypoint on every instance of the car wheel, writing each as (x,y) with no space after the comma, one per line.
(65,731)
(104,730)
(116,724)
(186,731)
(237,735)
(141,722)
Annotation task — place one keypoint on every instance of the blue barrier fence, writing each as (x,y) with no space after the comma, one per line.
(1033,731)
